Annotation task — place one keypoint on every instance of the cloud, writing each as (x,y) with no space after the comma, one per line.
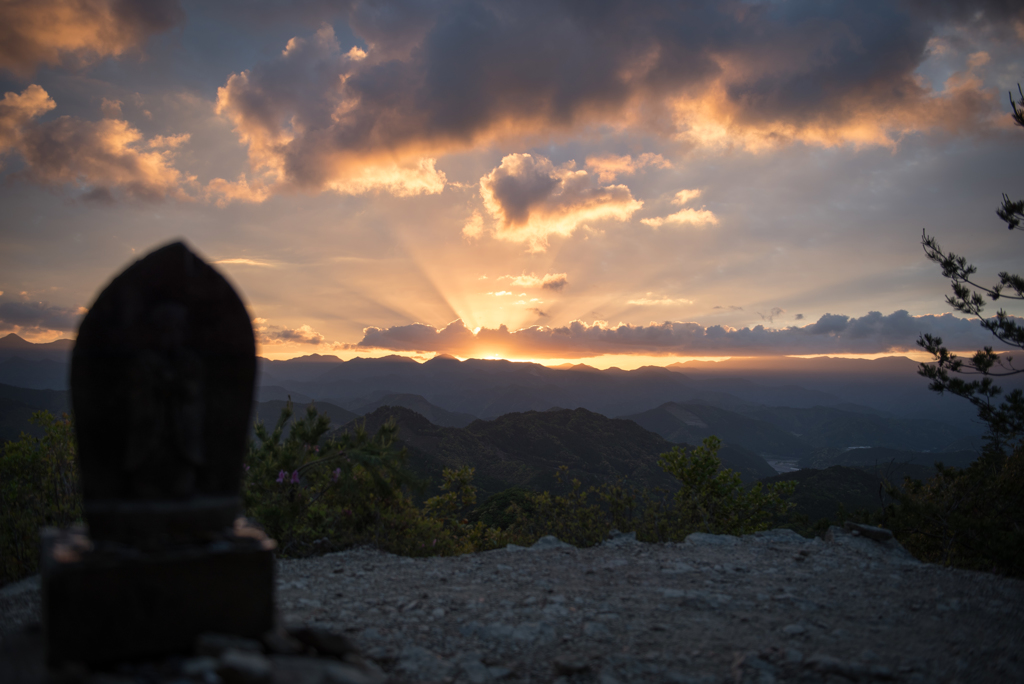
(20,315)
(530,200)
(441,77)
(548,281)
(111,108)
(34,32)
(694,217)
(608,168)
(267,334)
(244,262)
(307,127)
(770,316)
(658,301)
(223,192)
(103,154)
(799,317)
(831,334)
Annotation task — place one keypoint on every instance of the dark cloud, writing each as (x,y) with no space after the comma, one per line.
(556,282)
(799,317)
(831,334)
(438,76)
(99,196)
(34,32)
(530,199)
(33,317)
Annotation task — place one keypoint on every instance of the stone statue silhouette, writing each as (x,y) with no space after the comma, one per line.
(162,382)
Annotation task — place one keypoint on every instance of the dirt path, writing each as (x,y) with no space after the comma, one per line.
(772,607)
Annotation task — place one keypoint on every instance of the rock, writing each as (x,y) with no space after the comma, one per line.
(616,538)
(244,667)
(279,641)
(876,533)
(703,539)
(781,535)
(324,641)
(343,673)
(298,669)
(549,542)
(199,666)
(532,631)
(214,644)
(567,665)
(759,670)
(794,630)
(475,671)
(499,672)
(597,630)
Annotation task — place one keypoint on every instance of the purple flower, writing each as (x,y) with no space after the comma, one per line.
(336,475)
(295,477)
(246,466)
(281,476)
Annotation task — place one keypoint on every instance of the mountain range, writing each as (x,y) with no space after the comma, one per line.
(780,408)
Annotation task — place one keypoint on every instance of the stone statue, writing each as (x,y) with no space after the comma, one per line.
(162,380)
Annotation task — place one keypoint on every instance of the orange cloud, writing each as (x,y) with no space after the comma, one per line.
(610,167)
(531,200)
(548,281)
(688,216)
(94,154)
(267,334)
(34,32)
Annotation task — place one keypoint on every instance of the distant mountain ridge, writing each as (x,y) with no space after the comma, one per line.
(526,449)
(691,423)
(783,392)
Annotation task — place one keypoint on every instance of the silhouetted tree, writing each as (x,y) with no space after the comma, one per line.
(974,517)
(1004,419)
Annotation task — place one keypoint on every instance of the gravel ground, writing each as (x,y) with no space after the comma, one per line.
(770,607)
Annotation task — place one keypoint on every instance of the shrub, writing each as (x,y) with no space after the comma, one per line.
(969,518)
(38,487)
(313,494)
(709,499)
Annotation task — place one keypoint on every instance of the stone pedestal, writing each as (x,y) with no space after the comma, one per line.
(114,603)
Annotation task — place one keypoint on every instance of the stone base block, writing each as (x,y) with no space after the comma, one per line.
(102,606)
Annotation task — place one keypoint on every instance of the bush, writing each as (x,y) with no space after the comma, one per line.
(969,518)
(709,499)
(38,487)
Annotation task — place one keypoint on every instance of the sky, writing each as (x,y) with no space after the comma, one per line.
(617,183)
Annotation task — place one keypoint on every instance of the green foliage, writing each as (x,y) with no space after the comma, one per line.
(708,499)
(38,487)
(974,517)
(715,501)
(312,493)
(969,518)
